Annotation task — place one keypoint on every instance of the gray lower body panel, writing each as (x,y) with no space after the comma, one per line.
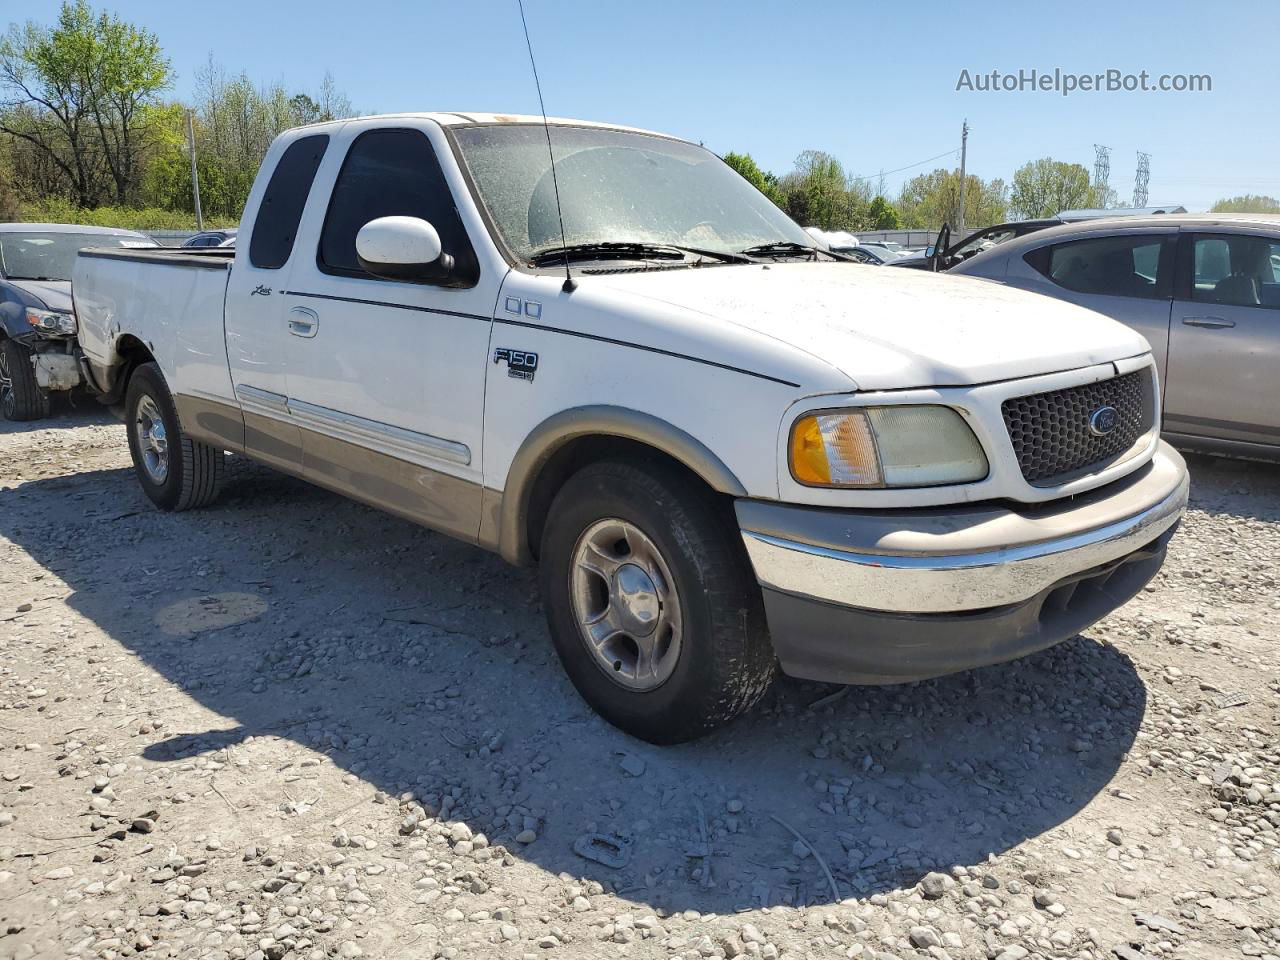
(211,421)
(430,497)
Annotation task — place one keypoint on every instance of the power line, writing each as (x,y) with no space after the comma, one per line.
(920,163)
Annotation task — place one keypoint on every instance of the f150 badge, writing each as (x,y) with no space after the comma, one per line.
(520,363)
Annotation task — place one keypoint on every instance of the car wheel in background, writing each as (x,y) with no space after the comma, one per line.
(20,396)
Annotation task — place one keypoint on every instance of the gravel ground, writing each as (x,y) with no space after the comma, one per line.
(290,726)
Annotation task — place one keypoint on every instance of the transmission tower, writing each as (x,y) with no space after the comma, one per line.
(1140,179)
(1102,173)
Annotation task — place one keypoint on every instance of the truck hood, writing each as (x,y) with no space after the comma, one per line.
(56,294)
(891,329)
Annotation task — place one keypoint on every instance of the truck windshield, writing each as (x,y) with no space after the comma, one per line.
(615,187)
(51,256)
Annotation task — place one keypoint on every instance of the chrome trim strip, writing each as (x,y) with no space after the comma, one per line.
(257,397)
(949,582)
(397,440)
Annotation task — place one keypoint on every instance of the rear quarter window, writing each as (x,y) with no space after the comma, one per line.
(276,226)
(1122,266)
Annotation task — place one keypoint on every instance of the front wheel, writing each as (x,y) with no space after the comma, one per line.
(651,602)
(176,472)
(21,397)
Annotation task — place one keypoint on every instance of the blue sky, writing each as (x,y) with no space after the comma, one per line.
(874,84)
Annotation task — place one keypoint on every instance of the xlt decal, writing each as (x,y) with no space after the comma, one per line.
(520,363)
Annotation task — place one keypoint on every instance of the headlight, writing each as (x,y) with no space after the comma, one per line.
(900,446)
(47,321)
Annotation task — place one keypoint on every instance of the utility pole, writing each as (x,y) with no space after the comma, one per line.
(964,149)
(195,179)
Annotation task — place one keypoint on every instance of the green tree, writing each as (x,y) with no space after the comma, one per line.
(9,208)
(822,184)
(817,193)
(1249,203)
(932,199)
(77,96)
(881,215)
(234,124)
(1046,187)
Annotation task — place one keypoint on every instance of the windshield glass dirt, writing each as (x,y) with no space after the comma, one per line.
(51,256)
(615,186)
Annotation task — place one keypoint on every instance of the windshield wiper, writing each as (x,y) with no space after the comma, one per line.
(627,250)
(789,248)
(15,277)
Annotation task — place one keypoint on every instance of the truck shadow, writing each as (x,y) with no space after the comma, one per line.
(421,664)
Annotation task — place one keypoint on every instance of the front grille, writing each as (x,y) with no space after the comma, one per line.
(1051,435)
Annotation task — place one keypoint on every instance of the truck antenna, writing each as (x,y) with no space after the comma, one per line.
(569,283)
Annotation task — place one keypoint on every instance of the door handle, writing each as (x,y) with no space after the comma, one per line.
(303,322)
(1213,323)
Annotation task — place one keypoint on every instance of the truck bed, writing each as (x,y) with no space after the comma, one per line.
(169,300)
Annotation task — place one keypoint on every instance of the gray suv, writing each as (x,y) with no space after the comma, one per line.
(1204,289)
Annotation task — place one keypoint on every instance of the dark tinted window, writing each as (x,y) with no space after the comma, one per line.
(1127,266)
(1236,270)
(276,225)
(391,173)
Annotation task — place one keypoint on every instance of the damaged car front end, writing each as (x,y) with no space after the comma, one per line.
(39,354)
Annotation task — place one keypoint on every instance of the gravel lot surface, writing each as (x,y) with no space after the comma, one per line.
(290,726)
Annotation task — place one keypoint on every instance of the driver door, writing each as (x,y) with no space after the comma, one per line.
(386,378)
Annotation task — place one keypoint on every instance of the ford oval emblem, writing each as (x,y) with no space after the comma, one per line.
(1103,420)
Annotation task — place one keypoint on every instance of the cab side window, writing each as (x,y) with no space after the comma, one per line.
(391,173)
(1236,270)
(1124,266)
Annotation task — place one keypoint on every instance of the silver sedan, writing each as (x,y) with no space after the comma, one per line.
(1203,289)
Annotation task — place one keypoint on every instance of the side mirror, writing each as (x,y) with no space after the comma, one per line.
(928,251)
(402,248)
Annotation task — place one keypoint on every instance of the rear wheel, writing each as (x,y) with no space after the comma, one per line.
(21,397)
(176,472)
(651,602)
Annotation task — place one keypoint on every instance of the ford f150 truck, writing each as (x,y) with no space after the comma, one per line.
(727,449)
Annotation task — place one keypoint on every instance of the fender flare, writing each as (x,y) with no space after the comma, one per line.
(511,513)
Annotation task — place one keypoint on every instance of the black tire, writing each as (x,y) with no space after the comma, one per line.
(193,477)
(725,661)
(20,396)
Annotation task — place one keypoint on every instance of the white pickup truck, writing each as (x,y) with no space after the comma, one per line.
(727,449)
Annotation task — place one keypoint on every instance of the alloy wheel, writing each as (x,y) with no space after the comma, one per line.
(626,604)
(153,441)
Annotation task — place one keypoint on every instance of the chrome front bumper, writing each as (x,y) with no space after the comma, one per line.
(960,558)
